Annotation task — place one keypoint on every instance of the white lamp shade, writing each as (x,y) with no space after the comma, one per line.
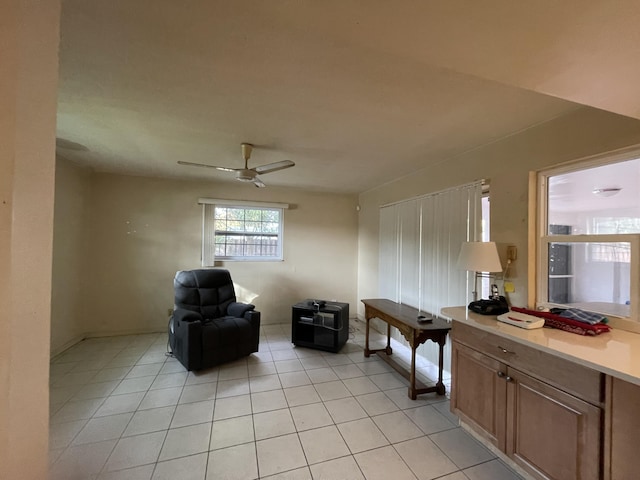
(479,257)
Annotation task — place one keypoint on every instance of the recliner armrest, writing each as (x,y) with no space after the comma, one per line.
(254,320)
(185,315)
(237,309)
(187,346)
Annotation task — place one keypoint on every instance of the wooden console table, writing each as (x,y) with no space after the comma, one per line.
(405,319)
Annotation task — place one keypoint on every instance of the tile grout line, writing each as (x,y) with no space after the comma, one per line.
(277,340)
(70,445)
(133,413)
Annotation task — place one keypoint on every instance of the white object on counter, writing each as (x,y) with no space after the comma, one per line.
(521,320)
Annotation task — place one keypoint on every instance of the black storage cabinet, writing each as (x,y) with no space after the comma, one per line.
(320,324)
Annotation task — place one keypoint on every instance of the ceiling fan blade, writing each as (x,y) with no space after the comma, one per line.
(258,183)
(272,167)
(224,169)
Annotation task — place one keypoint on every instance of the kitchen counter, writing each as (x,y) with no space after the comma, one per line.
(616,353)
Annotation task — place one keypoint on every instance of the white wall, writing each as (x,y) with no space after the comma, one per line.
(506,163)
(28,83)
(140,231)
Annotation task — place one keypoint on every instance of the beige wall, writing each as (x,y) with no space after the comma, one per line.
(69,248)
(506,164)
(28,53)
(140,231)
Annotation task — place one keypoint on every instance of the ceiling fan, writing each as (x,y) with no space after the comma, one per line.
(247,174)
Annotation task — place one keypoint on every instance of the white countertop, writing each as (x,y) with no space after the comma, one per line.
(616,353)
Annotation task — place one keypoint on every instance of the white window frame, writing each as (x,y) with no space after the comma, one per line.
(209,232)
(543,239)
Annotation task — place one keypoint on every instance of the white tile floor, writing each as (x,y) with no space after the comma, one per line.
(122,409)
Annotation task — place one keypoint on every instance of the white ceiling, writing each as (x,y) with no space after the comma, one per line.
(357,93)
(573,192)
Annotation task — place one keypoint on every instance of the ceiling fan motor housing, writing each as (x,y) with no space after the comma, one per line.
(245,175)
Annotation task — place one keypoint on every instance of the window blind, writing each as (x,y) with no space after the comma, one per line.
(420,240)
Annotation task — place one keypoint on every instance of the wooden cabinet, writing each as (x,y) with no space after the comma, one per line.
(623,430)
(551,433)
(481,402)
(514,397)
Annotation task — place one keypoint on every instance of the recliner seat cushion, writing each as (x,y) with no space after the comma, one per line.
(226,338)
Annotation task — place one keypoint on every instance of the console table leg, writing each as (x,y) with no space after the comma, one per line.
(440,385)
(412,375)
(367,352)
(388,350)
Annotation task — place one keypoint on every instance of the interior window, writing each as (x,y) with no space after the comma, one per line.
(589,233)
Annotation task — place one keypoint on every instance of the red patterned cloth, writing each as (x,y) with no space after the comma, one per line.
(556,321)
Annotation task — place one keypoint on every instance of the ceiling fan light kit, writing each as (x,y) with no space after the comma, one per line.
(606,192)
(247,174)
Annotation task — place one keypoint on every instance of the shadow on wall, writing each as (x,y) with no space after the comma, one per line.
(279,294)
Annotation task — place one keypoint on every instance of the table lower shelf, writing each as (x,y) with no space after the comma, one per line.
(419,388)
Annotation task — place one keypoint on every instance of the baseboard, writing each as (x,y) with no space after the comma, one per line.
(57,351)
(75,340)
(119,333)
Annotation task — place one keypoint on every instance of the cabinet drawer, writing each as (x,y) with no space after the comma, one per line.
(568,376)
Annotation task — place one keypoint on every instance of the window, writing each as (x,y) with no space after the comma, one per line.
(588,244)
(241,231)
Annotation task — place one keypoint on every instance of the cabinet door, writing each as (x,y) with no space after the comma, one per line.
(624,429)
(478,393)
(551,433)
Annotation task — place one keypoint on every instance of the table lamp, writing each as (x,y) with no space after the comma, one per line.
(482,259)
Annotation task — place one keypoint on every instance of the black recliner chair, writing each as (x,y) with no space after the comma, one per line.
(208,326)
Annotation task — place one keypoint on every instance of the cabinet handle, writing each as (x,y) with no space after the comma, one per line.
(508,378)
(500,374)
(504,350)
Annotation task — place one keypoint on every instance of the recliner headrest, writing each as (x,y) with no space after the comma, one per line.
(207,291)
(203,278)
